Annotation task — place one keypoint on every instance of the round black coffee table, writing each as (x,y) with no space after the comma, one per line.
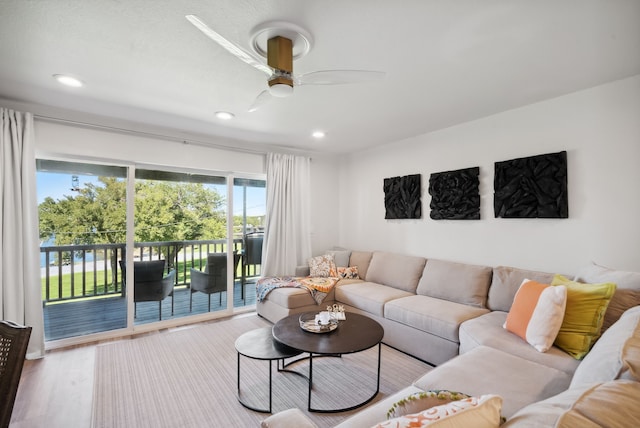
(259,345)
(357,333)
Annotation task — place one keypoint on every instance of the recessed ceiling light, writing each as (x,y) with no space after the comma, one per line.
(318,134)
(67,80)
(224,115)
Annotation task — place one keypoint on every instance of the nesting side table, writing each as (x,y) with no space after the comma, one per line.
(259,344)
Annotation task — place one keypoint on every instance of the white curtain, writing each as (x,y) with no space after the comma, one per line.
(20,295)
(287,241)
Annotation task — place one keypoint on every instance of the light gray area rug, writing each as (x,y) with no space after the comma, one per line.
(188,378)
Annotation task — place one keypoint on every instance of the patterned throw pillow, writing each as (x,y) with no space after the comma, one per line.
(350,272)
(423,400)
(480,412)
(322,266)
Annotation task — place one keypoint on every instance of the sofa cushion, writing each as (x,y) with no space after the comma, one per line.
(395,270)
(615,355)
(439,317)
(340,257)
(627,293)
(487,330)
(478,412)
(612,404)
(368,296)
(361,259)
(506,280)
(485,370)
(597,273)
(584,314)
(456,282)
(622,299)
(292,297)
(536,314)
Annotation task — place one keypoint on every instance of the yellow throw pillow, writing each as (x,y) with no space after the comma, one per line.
(583,316)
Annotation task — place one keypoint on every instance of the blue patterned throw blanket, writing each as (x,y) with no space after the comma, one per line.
(318,287)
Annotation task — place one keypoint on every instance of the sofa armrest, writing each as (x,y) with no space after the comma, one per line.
(302,271)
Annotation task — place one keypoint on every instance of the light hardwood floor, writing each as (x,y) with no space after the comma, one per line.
(56,391)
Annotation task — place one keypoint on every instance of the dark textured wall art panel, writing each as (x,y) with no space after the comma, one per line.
(532,187)
(402,197)
(455,195)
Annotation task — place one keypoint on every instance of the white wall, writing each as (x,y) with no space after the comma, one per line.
(600,130)
(325,195)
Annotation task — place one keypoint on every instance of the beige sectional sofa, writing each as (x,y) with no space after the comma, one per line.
(420,303)
(452,314)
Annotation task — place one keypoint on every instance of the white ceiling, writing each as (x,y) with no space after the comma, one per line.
(446,62)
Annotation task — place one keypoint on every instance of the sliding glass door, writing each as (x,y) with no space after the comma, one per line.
(189,256)
(249,212)
(181,234)
(82,229)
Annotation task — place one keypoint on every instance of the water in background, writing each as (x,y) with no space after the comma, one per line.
(52,257)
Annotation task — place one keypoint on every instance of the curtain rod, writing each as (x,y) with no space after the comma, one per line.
(187,141)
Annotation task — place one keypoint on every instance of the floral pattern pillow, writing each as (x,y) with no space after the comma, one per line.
(423,400)
(350,272)
(480,412)
(322,266)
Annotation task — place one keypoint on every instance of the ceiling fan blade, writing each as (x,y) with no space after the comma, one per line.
(264,97)
(229,46)
(339,77)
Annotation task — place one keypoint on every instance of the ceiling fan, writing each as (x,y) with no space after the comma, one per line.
(280,43)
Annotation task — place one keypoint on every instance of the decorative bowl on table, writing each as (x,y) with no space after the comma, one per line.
(316,323)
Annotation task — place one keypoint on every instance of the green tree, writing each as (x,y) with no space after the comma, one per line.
(96,215)
(164,211)
(169,211)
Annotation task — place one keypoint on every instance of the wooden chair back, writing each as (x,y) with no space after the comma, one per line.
(14,339)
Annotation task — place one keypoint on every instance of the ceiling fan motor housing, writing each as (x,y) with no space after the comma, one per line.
(280,58)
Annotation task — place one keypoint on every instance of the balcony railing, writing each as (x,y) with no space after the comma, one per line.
(84,271)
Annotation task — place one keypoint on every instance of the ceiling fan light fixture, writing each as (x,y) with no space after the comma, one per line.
(280,43)
(281,89)
(301,39)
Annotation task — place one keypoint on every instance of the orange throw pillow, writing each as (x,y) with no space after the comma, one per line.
(537,313)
